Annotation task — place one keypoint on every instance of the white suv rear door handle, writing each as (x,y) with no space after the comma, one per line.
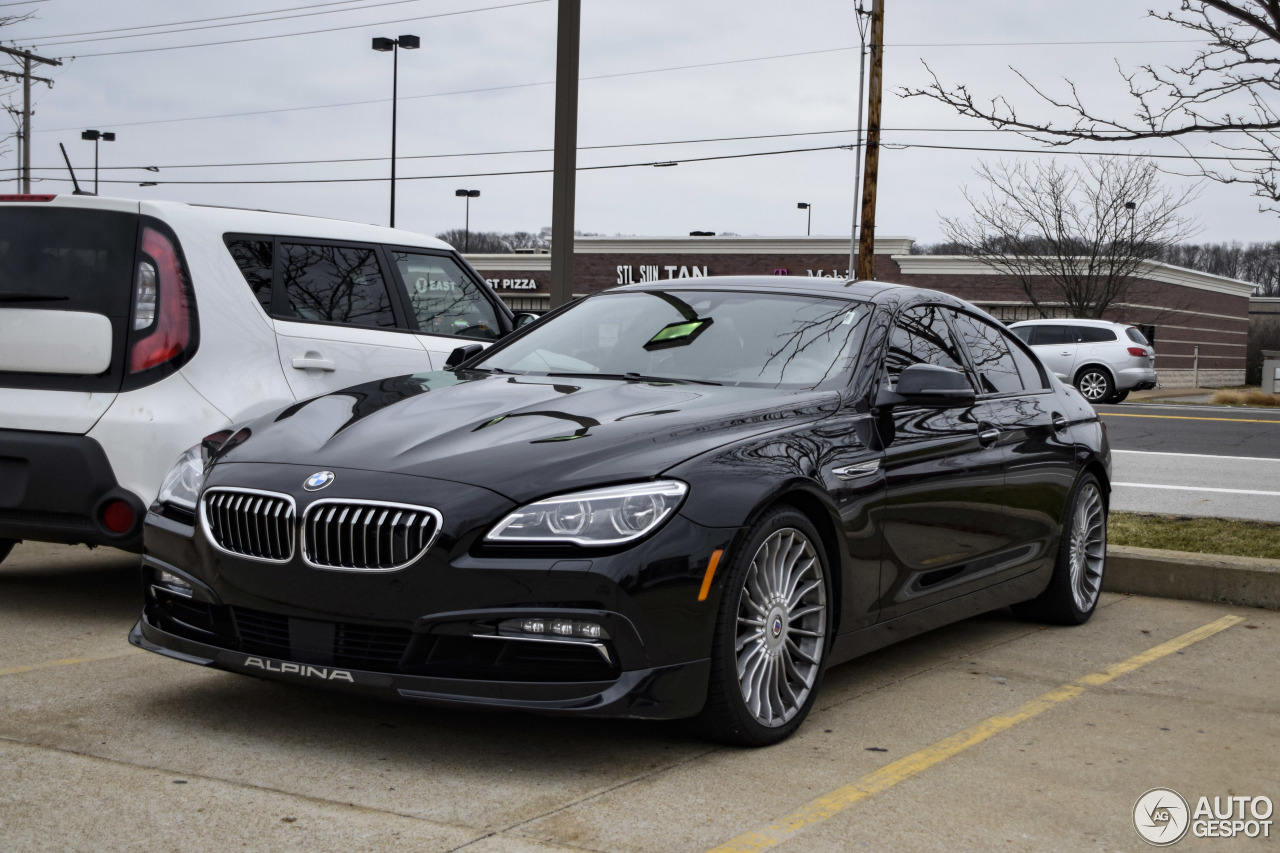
(313,361)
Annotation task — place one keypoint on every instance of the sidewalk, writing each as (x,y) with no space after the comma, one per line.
(1182,395)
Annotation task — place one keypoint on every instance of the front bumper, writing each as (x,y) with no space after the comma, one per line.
(667,692)
(440,629)
(53,487)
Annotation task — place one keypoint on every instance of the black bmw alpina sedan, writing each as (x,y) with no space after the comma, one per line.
(672,499)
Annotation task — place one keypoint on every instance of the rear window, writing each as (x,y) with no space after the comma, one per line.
(1094,334)
(70,260)
(1136,336)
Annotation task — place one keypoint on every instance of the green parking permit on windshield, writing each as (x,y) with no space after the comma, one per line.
(678,334)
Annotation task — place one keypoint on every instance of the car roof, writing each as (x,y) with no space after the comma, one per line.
(880,292)
(1060,321)
(245,220)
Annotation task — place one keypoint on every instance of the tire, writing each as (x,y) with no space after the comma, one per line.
(1072,594)
(1118,397)
(6,545)
(1095,385)
(767,655)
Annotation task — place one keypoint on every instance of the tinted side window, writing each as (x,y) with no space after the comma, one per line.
(254,259)
(1052,336)
(991,354)
(444,299)
(1094,335)
(1023,332)
(921,336)
(1136,336)
(334,284)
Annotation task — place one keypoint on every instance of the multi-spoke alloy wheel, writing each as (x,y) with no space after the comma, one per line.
(774,613)
(1072,593)
(1088,546)
(1095,386)
(782,620)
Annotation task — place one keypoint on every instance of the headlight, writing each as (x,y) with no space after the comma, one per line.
(598,517)
(182,484)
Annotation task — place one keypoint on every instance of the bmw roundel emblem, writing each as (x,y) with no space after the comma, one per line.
(317,481)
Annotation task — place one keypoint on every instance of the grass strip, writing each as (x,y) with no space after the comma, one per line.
(1233,537)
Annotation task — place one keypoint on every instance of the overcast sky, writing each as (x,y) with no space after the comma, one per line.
(159,103)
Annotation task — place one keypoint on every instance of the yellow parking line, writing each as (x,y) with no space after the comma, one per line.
(1188,418)
(49,664)
(891,774)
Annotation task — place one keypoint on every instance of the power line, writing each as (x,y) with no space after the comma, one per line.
(1215,157)
(508,151)
(311,32)
(481,90)
(475,174)
(23,3)
(717,157)
(181,23)
(230,24)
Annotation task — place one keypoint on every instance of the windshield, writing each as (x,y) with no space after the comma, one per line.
(763,340)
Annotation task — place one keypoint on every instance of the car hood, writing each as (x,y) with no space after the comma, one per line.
(520,436)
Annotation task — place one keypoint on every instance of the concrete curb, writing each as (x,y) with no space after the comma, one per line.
(1246,581)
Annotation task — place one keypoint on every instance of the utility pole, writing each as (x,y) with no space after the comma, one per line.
(862,21)
(27,58)
(565,159)
(871,166)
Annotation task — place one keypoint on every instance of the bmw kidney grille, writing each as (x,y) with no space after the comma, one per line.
(347,535)
(250,523)
(370,536)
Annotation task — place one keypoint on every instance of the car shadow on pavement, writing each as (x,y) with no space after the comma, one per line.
(71,580)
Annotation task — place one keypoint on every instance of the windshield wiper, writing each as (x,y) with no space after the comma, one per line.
(635,377)
(20,296)
(501,370)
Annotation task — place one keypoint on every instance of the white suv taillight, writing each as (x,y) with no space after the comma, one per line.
(1137,352)
(160,304)
(144,311)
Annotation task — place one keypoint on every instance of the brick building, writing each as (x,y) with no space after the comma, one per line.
(1199,322)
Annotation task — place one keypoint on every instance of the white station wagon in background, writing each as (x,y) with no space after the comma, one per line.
(131,330)
(1104,360)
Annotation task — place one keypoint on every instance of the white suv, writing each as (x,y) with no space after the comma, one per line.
(1104,360)
(130,330)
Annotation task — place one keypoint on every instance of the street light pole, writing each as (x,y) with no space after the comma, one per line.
(95,136)
(384,45)
(808,228)
(468,195)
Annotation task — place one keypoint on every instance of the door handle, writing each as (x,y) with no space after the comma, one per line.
(1068,352)
(989,436)
(1059,422)
(313,361)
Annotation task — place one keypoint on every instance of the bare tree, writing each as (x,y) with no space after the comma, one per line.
(1230,88)
(1071,236)
(477,242)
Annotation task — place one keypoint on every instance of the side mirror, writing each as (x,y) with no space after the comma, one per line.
(461,354)
(525,318)
(935,387)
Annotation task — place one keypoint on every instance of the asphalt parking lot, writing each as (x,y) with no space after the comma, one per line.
(990,734)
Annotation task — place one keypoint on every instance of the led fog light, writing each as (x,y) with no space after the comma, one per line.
(173,583)
(555,628)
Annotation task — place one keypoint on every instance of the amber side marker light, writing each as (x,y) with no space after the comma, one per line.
(711,573)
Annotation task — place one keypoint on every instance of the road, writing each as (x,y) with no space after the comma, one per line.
(989,734)
(1195,460)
